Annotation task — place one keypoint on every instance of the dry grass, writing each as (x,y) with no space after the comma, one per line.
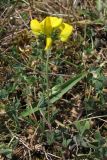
(56,132)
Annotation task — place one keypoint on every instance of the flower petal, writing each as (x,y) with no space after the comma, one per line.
(66,31)
(35,26)
(55,22)
(50,23)
(48,43)
(47,26)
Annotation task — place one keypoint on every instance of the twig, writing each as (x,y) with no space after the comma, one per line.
(22,19)
(54,14)
(95,117)
(19,139)
(10,12)
(54,155)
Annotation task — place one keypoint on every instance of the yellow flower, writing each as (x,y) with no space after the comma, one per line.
(48,43)
(48,25)
(66,31)
(35,27)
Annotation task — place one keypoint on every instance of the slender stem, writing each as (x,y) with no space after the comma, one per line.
(47,83)
(47,76)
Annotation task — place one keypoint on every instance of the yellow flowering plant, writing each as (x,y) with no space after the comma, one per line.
(48,26)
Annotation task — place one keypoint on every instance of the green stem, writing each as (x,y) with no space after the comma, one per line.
(47,77)
(47,83)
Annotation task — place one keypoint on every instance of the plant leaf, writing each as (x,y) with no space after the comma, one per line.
(82,126)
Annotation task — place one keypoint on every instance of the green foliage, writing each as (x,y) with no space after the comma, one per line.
(55,93)
(82,126)
(66,115)
(7,151)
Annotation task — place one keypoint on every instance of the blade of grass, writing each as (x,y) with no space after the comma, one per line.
(64,88)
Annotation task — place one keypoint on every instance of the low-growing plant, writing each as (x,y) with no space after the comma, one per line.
(53,96)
